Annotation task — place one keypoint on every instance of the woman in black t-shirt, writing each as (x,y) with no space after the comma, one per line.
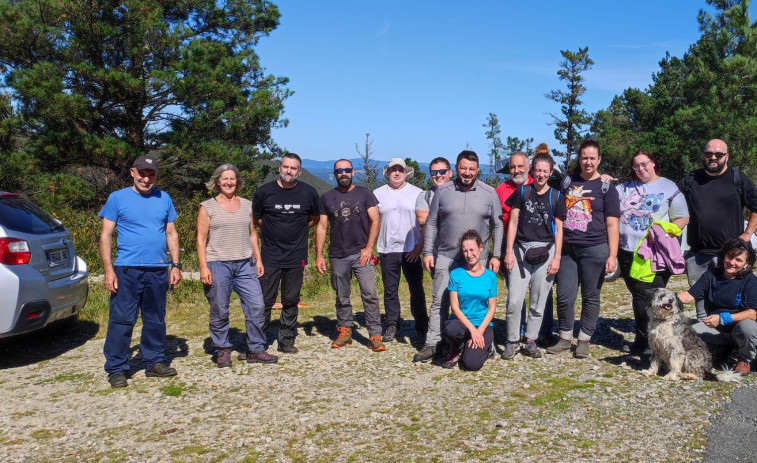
(590,247)
(729,292)
(533,252)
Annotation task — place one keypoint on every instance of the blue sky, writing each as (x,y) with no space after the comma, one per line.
(422,76)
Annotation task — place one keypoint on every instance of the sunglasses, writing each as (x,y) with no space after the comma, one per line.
(346,170)
(714,154)
(436,172)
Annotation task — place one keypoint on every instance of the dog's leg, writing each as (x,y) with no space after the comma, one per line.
(676,366)
(654,367)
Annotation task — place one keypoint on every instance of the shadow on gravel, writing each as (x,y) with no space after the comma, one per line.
(45,344)
(607,333)
(238,339)
(633,361)
(175,347)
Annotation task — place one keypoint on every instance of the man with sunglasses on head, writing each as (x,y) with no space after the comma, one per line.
(716,195)
(352,213)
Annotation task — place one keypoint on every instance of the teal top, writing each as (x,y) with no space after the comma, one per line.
(473,293)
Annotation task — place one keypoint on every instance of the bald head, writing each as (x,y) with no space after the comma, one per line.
(715,157)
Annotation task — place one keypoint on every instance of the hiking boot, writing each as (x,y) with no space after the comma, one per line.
(375,344)
(261,357)
(118,380)
(582,350)
(636,348)
(390,333)
(511,348)
(287,349)
(530,349)
(343,339)
(452,359)
(743,367)
(561,346)
(425,354)
(160,370)
(223,358)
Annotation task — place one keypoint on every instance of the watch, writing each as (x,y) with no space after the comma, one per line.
(175,265)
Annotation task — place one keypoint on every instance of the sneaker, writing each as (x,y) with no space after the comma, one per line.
(511,348)
(561,346)
(287,349)
(118,380)
(389,334)
(425,354)
(375,344)
(582,350)
(261,357)
(452,359)
(743,367)
(160,370)
(223,358)
(530,349)
(343,339)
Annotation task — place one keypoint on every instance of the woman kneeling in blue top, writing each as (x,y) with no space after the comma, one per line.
(730,299)
(473,300)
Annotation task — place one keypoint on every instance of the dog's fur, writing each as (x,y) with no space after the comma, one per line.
(673,342)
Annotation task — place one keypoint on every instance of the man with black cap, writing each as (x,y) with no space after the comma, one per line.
(139,278)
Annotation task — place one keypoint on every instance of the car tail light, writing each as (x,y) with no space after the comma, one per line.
(14,251)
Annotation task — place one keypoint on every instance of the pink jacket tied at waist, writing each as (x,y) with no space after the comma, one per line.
(663,250)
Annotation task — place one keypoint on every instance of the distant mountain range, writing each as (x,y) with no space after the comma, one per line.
(324,169)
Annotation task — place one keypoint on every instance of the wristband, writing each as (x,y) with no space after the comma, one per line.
(726,318)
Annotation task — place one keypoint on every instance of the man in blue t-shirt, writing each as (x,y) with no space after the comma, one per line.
(138,280)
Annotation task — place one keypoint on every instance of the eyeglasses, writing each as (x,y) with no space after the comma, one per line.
(714,154)
(640,165)
(346,170)
(435,172)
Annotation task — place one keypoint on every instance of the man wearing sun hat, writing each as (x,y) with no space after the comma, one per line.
(402,210)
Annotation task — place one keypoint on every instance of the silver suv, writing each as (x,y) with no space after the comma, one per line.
(42,280)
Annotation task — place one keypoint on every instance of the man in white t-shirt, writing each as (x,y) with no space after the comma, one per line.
(403,210)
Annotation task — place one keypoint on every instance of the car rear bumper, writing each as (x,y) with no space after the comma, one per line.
(42,302)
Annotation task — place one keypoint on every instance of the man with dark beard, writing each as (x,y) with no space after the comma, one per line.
(716,195)
(456,208)
(352,213)
(284,210)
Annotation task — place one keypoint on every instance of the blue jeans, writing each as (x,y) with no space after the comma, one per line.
(242,277)
(139,289)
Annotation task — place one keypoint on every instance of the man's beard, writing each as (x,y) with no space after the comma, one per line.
(294,178)
(519,179)
(712,168)
(344,182)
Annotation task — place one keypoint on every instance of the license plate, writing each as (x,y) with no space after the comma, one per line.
(57,257)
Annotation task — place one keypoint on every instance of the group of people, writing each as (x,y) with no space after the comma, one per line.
(538,233)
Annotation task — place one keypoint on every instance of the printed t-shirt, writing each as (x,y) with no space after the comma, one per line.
(348,217)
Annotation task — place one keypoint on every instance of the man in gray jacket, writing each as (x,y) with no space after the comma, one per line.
(456,208)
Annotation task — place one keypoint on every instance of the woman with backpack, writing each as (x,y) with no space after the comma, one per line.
(532,258)
(590,247)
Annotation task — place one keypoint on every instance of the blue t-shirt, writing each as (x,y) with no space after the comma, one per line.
(473,293)
(141,226)
(723,295)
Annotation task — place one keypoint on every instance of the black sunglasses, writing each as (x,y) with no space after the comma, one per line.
(439,172)
(347,170)
(714,154)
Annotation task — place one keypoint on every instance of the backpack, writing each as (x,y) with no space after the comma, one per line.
(735,178)
(552,192)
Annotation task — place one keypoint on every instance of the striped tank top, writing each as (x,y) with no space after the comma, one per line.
(229,233)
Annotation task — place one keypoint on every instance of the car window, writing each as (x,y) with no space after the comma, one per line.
(21,215)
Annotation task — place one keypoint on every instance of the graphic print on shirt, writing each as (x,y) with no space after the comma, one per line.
(345,211)
(286,208)
(578,208)
(537,212)
(638,208)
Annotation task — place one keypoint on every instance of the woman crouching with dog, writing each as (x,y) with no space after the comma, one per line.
(473,301)
(729,292)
